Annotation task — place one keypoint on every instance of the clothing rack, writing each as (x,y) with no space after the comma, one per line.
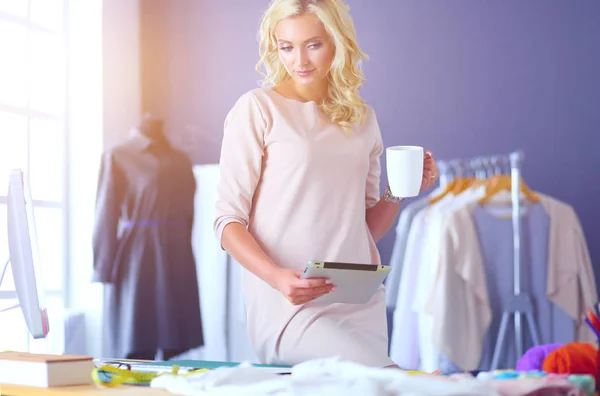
(520,304)
(480,167)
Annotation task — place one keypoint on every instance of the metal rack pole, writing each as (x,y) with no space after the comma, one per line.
(520,303)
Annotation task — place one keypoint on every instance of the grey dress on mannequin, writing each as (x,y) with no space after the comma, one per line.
(142,247)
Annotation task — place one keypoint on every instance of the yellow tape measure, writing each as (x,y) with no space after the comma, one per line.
(111,376)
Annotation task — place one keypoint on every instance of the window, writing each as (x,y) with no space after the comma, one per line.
(33,86)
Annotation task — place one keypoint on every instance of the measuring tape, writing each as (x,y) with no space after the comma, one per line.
(111,376)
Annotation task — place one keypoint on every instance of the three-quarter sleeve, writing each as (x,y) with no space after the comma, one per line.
(240,163)
(373,177)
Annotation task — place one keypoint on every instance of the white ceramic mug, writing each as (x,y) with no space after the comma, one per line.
(405,170)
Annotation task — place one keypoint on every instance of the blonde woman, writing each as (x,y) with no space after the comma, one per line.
(300,169)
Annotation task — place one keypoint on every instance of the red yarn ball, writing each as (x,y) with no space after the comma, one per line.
(573,358)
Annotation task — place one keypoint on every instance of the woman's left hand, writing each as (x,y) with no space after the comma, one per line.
(430,171)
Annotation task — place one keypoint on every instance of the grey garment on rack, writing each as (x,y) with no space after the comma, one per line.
(495,240)
(392,282)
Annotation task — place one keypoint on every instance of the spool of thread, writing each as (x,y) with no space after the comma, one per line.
(573,358)
(533,359)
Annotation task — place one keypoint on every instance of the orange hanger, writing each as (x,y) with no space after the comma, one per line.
(463,184)
(498,183)
(479,182)
(456,186)
(449,188)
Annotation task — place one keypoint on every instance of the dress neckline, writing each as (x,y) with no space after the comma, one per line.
(310,102)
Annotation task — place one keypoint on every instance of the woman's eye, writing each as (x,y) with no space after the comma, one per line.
(315,46)
(286,49)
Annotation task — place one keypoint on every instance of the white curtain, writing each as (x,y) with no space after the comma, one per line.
(219,280)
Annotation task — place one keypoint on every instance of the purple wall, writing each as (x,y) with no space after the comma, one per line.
(463,78)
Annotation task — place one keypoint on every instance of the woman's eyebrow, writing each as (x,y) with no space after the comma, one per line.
(305,41)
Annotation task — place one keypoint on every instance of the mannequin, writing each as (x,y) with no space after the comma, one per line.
(153,128)
(142,246)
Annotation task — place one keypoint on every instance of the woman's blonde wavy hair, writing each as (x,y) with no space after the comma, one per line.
(344,105)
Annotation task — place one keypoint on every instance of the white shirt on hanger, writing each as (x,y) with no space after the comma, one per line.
(404,346)
(407,215)
(428,267)
(411,345)
(404,341)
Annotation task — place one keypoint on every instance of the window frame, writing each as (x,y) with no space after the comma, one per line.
(62,120)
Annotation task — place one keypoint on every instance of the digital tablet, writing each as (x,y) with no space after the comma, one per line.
(354,283)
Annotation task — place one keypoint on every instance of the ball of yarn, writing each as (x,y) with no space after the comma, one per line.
(533,359)
(573,358)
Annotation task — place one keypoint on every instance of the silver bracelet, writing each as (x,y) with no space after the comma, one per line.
(388,197)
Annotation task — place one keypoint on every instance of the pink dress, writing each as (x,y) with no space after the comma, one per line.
(301,185)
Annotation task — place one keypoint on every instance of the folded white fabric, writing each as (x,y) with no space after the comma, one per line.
(319,377)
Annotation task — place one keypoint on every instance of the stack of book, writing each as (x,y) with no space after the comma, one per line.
(45,370)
